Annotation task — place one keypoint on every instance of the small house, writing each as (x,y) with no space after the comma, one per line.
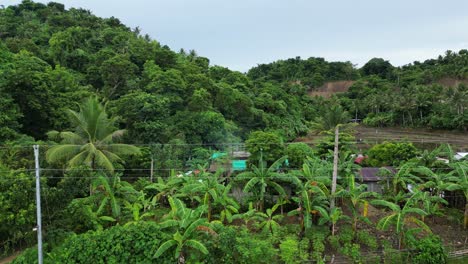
(229,161)
(371,176)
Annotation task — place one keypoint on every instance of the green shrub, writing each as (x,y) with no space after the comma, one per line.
(304,249)
(390,154)
(269,145)
(367,239)
(429,250)
(250,248)
(334,242)
(318,246)
(391,255)
(28,256)
(17,210)
(289,250)
(297,153)
(346,235)
(353,251)
(239,245)
(134,243)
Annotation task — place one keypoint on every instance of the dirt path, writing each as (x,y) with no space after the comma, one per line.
(9,258)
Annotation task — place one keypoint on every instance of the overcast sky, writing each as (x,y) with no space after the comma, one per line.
(240,34)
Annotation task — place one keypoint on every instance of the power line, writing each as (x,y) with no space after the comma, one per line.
(418,140)
(290,169)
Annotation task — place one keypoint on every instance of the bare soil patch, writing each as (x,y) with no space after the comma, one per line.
(329,88)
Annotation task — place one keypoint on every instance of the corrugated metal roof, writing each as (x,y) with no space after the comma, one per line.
(370,174)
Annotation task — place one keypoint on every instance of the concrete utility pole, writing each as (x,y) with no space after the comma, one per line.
(38,205)
(335,169)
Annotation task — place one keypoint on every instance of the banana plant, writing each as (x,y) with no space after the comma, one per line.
(262,177)
(207,186)
(140,209)
(268,221)
(229,206)
(312,191)
(110,192)
(247,216)
(165,188)
(356,195)
(186,223)
(331,217)
(404,176)
(437,182)
(460,171)
(430,204)
(401,217)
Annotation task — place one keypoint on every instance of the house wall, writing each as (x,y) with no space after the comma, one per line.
(374,187)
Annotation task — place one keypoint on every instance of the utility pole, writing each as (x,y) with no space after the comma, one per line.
(335,168)
(38,205)
(151,172)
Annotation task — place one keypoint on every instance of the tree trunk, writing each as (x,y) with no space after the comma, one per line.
(466,216)
(209,209)
(335,169)
(93,165)
(181,259)
(410,117)
(152,169)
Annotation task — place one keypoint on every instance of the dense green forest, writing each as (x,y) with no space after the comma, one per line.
(414,95)
(79,86)
(52,58)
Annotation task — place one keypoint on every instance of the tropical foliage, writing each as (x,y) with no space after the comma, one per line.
(80,86)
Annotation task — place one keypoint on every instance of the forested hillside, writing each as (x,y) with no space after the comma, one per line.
(430,94)
(52,58)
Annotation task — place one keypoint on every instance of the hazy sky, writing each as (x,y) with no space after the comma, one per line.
(243,33)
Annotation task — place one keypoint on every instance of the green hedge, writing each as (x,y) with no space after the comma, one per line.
(134,243)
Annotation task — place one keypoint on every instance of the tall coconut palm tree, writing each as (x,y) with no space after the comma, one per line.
(333,119)
(92,142)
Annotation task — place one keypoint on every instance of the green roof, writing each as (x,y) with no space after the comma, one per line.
(218,155)
(239,165)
